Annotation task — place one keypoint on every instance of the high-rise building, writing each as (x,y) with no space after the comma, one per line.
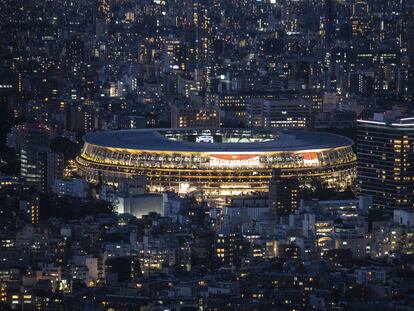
(329,21)
(360,20)
(33,155)
(173,54)
(83,118)
(197,36)
(201,21)
(385,151)
(55,167)
(283,194)
(410,32)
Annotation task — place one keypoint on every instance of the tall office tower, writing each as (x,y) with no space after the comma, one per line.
(329,21)
(360,8)
(202,22)
(103,8)
(33,156)
(173,54)
(360,19)
(55,167)
(340,63)
(283,194)
(410,51)
(101,16)
(198,31)
(385,150)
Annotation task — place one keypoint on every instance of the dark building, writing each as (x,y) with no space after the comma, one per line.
(55,167)
(362,83)
(283,194)
(410,32)
(8,88)
(329,21)
(229,248)
(386,161)
(335,119)
(75,49)
(33,156)
(122,269)
(360,19)
(131,122)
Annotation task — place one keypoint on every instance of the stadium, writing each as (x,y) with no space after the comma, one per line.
(216,163)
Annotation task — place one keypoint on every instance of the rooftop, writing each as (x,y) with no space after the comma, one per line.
(390,118)
(217,140)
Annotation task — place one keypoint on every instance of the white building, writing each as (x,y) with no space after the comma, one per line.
(139,205)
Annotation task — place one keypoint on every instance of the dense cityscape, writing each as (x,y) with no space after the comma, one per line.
(180,155)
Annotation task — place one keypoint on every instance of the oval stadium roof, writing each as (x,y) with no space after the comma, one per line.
(152,139)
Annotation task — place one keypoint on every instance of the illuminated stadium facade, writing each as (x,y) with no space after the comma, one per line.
(218,162)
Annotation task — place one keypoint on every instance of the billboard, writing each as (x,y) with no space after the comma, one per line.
(234,160)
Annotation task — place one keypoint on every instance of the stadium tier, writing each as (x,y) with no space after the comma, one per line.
(217,162)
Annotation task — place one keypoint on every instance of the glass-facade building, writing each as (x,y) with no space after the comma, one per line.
(385,150)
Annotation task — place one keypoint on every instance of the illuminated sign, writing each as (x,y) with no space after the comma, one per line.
(310,158)
(205,139)
(234,160)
